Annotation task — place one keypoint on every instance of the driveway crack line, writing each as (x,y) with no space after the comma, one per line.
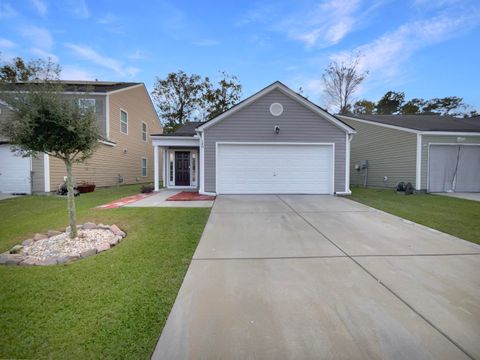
(379,281)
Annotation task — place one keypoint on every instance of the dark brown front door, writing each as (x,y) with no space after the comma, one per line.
(182,168)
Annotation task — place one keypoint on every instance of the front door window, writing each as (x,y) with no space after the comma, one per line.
(182,168)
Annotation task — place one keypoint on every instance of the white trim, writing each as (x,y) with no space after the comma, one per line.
(146,131)
(202,164)
(162,137)
(146,167)
(287,91)
(126,112)
(108,143)
(176,141)
(156,172)
(332,180)
(428,157)
(343,193)
(418,165)
(379,124)
(450,133)
(107,116)
(171,184)
(347,165)
(400,128)
(46,172)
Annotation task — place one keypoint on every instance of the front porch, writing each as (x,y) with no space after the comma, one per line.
(180,169)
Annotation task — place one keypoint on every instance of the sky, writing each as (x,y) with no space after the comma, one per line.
(426,48)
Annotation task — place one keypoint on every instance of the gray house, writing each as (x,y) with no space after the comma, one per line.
(435,153)
(275,141)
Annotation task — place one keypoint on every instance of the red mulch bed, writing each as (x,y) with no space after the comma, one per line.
(124,201)
(190,196)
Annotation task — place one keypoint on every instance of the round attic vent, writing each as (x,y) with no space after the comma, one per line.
(276,109)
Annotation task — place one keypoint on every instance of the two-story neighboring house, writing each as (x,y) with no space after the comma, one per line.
(126,117)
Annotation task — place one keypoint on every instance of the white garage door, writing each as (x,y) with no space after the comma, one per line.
(274,169)
(14,172)
(454,168)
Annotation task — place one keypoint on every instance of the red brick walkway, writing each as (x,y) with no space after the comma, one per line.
(190,196)
(124,201)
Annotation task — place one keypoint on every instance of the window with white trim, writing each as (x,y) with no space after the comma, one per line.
(144,131)
(123,122)
(87,104)
(144,167)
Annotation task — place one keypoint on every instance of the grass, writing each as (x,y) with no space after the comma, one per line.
(112,305)
(453,216)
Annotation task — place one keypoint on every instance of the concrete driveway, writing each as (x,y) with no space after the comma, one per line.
(303,277)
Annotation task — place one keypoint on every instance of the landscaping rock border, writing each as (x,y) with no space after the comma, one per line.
(16,255)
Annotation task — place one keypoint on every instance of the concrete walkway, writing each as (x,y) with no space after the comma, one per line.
(467,196)
(303,277)
(160,200)
(4,196)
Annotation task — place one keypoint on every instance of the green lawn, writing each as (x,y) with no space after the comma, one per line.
(454,216)
(112,305)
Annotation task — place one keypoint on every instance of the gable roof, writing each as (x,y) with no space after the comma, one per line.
(287,91)
(102,87)
(423,122)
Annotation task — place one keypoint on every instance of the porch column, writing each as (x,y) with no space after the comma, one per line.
(156,170)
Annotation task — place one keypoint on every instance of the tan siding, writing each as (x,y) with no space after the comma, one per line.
(38,177)
(389,152)
(435,139)
(108,162)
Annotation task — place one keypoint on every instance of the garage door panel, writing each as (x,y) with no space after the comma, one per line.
(454,168)
(14,172)
(277,169)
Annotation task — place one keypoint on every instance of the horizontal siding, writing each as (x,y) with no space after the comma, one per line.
(432,139)
(254,123)
(108,162)
(38,177)
(389,152)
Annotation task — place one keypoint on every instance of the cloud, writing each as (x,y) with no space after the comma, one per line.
(7,11)
(137,55)
(108,19)
(385,55)
(206,42)
(87,53)
(44,54)
(327,24)
(79,8)
(40,37)
(73,72)
(6,44)
(40,6)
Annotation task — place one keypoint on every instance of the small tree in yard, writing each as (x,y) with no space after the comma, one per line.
(44,120)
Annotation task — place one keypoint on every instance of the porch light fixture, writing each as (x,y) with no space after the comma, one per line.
(276,129)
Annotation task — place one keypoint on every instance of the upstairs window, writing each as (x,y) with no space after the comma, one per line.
(87,104)
(144,131)
(123,122)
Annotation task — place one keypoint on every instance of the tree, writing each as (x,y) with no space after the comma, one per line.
(44,120)
(181,97)
(341,80)
(412,107)
(178,98)
(390,103)
(444,106)
(221,98)
(18,70)
(363,107)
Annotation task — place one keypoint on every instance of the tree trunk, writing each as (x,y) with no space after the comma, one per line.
(71,199)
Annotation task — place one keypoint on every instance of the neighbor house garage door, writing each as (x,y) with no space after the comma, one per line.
(454,168)
(274,169)
(14,172)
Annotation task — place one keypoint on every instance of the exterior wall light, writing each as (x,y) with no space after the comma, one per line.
(276,129)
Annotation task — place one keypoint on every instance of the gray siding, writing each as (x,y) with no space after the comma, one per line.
(100,111)
(432,139)
(38,177)
(389,152)
(254,123)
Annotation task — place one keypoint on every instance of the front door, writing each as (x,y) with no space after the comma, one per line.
(182,168)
